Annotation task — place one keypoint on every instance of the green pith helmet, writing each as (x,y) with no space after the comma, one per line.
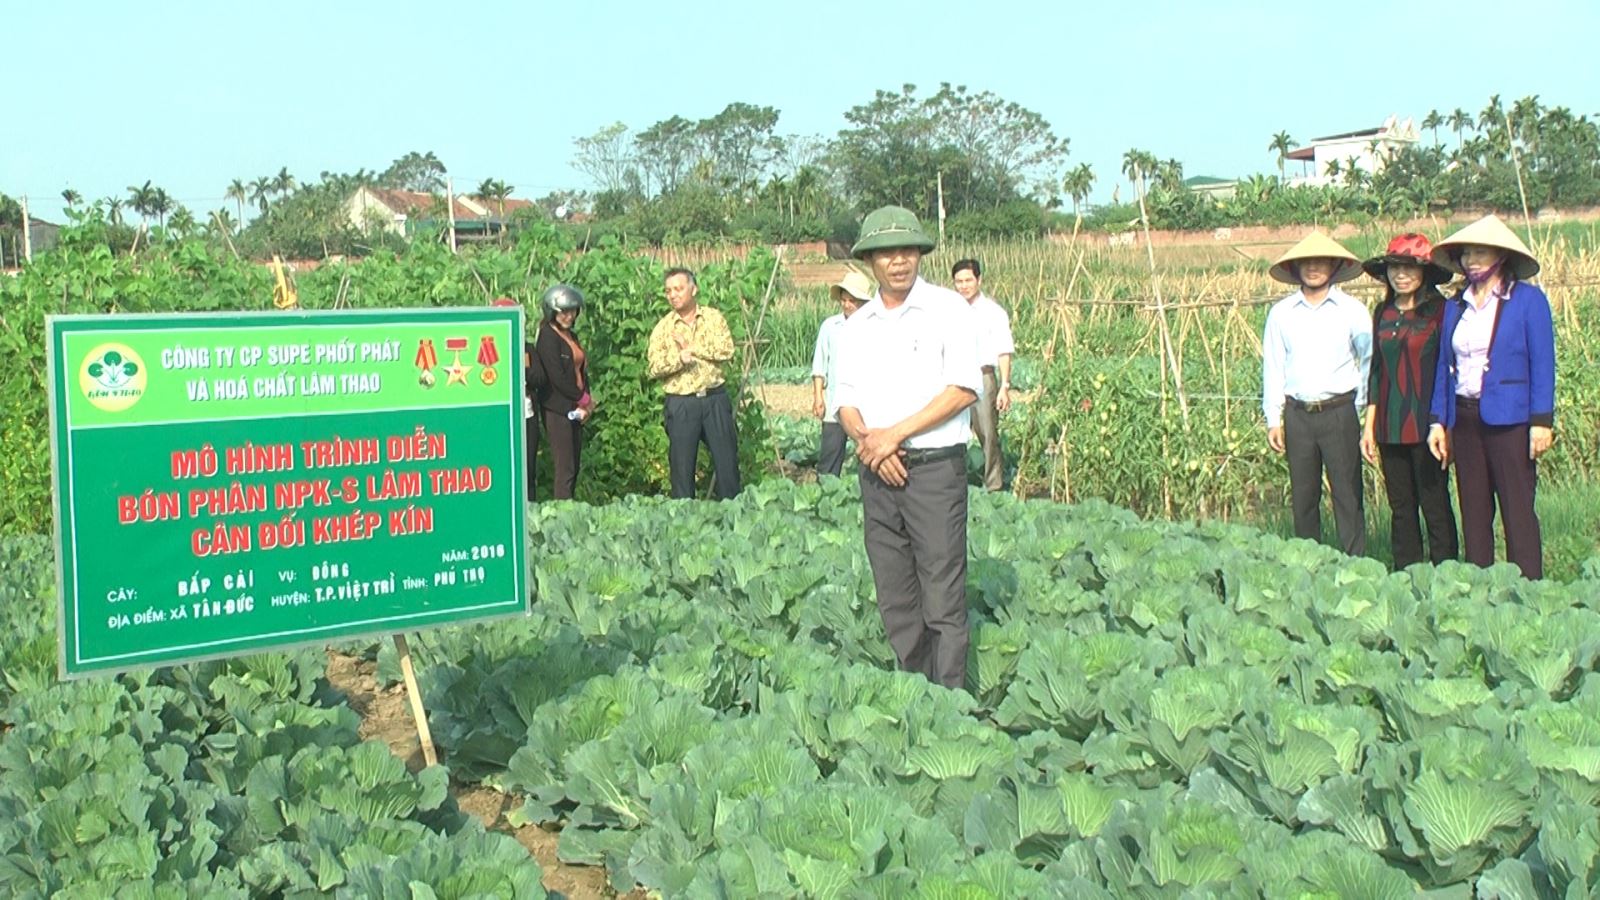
(561,298)
(888,227)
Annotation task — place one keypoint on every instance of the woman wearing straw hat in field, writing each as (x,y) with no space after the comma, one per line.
(1494,393)
(1314,360)
(1405,356)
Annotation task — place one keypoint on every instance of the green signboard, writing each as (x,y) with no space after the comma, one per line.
(230,483)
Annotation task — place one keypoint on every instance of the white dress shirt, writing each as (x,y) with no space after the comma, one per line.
(1312,353)
(994,330)
(894,362)
(825,364)
(1471,342)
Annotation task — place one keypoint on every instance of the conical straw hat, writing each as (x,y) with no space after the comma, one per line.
(1317,244)
(1488,231)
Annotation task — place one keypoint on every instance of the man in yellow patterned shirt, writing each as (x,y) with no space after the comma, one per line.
(687,349)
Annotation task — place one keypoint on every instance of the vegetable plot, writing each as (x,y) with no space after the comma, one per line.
(705,702)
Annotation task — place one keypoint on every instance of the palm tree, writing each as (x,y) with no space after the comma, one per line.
(221,223)
(161,204)
(261,192)
(183,223)
(1281,145)
(113,210)
(1169,175)
(1077,183)
(1334,168)
(491,189)
(1525,116)
(1460,121)
(1432,121)
(238,192)
(283,183)
(142,200)
(1138,164)
(1492,119)
(72,197)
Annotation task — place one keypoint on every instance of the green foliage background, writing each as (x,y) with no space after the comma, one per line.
(626,442)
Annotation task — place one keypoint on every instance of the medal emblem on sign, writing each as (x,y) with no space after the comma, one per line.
(456,373)
(427,358)
(488,355)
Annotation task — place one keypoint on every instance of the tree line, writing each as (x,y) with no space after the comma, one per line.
(994,167)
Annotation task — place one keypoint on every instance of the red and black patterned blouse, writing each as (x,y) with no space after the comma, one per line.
(1405,351)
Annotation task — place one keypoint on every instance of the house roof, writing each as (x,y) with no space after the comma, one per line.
(1365,132)
(467,207)
(1302,153)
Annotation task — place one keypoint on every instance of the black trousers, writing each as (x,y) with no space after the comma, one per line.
(566,446)
(1328,439)
(916,539)
(691,419)
(1414,480)
(830,454)
(1492,467)
(530,452)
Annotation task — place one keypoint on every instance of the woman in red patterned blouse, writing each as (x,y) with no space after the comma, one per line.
(1405,352)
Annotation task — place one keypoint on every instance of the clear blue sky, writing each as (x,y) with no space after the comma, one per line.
(193,94)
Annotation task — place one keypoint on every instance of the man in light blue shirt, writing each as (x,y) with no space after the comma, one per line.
(851,291)
(1314,361)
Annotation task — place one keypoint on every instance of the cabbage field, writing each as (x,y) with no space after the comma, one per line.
(703,703)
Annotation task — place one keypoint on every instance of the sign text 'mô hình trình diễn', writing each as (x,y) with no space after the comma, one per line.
(226,484)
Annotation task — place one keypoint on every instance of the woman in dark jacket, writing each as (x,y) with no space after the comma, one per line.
(1494,394)
(1405,355)
(559,375)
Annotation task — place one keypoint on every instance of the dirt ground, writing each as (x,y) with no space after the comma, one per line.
(386,716)
(785,399)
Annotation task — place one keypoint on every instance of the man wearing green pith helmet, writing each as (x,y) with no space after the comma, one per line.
(908,374)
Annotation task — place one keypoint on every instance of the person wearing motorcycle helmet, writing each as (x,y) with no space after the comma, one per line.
(559,377)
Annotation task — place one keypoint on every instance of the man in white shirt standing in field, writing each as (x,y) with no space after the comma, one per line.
(850,292)
(908,373)
(995,347)
(1314,362)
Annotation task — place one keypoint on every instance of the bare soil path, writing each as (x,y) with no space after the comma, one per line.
(386,716)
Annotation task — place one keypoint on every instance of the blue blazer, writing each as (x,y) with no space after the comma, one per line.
(1519,386)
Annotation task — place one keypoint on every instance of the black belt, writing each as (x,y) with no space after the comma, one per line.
(1312,406)
(708,392)
(1467,402)
(917,457)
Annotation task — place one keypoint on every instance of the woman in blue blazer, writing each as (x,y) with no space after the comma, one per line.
(1494,393)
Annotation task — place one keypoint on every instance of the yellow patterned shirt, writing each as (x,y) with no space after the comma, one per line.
(709,341)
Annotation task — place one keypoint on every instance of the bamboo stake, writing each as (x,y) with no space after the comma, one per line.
(414,694)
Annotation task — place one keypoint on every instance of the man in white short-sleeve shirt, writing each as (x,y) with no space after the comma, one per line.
(995,347)
(908,373)
(850,292)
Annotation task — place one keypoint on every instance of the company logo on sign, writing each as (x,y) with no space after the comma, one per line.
(112,377)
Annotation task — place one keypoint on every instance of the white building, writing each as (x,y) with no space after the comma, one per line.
(1368,149)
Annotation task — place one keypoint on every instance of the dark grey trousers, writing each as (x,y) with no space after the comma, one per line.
(916,539)
(566,447)
(830,455)
(690,420)
(1327,439)
(986,422)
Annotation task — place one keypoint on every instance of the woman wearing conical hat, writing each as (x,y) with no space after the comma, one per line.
(1405,356)
(1494,394)
(1314,360)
